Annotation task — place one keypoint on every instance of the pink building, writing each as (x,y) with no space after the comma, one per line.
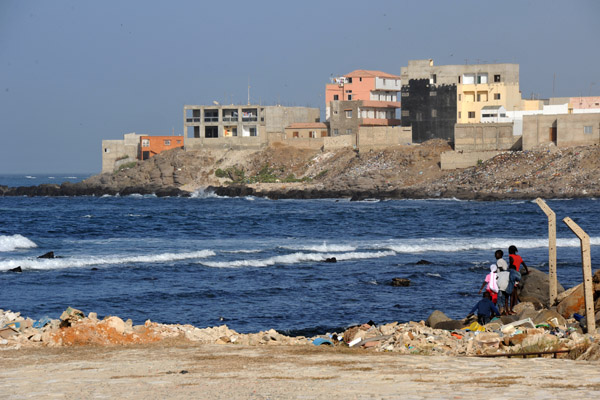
(585,102)
(376,91)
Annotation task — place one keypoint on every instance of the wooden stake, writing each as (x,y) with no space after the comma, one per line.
(586,261)
(553,279)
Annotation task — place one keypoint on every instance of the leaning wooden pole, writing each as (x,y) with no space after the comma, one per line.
(586,261)
(553,279)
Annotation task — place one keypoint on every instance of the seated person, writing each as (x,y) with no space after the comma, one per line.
(485,309)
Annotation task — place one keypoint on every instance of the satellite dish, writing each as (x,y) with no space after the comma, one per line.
(216,103)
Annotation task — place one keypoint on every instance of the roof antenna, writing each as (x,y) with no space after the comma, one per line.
(248,89)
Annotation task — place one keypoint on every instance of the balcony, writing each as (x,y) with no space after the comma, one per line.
(192,119)
(211,119)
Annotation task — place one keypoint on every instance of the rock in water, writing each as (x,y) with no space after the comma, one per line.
(330,260)
(400,282)
(17,269)
(536,285)
(49,254)
(424,262)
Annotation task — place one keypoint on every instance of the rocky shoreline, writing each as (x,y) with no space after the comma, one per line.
(400,172)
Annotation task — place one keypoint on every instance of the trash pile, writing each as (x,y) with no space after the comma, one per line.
(541,332)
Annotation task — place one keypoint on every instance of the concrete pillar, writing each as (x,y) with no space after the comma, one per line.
(553,280)
(586,263)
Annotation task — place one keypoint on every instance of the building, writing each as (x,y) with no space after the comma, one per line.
(249,126)
(306,130)
(153,145)
(564,130)
(134,147)
(435,98)
(375,94)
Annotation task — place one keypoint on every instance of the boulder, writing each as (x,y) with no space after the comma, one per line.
(400,282)
(536,285)
(532,300)
(49,254)
(424,262)
(566,293)
(116,323)
(436,317)
(449,325)
(573,303)
(545,316)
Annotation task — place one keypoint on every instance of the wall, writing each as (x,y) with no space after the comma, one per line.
(233,142)
(485,137)
(277,117)
(377,137)
(338,142)
(536,130)
(570,130)
(112,150)
(338,119)
(455,159)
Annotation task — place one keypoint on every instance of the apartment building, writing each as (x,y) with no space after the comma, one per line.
(435,98)
(247,126)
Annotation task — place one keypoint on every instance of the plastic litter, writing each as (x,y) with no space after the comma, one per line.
(320,341)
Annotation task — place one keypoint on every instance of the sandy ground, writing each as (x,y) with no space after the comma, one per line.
(181,370)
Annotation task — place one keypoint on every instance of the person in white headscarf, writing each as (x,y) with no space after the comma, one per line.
(491,280)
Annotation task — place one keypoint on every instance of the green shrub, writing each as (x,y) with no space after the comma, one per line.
(126,166)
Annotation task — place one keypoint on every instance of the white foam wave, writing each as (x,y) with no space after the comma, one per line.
(202,193)
(30,177)
(11,243)
(59,263)
(295,258)
(464,244)
(322,248)
(242,251)
(433,275)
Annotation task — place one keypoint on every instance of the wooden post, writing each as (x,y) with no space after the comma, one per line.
(553,279)
(586,260)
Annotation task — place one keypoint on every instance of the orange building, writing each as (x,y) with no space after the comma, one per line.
(153,145)
(377,91)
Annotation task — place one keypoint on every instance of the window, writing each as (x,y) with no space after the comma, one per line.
(167,142)
(349,80)
(471,114)
(588,129)
(348,91)
(335,112)
(349,97)
(459,97)
(433,79)
(348,113)
(405,94)
(360,79)
(107,150)
(459,115)
(434,113)
(502,115)
(419,116)
(336,132)
(312,134)
(349,131)
(145,142)
(459,79)
(336,97)
(478,97)
(432,93)
(497,78)
(295,134)
(405,113)
(496,96)
(482,78)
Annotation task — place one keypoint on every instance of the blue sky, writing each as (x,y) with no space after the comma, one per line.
(75,72)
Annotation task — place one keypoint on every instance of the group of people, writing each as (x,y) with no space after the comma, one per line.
(500,286)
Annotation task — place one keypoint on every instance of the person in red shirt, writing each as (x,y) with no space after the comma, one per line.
(516,260)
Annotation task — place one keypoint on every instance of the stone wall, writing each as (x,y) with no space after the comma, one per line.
(456,159)
(117,152)
(338,142)
(378,137)
(485,137)
(570,130)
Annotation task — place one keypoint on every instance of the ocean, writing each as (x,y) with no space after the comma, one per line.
(256,264)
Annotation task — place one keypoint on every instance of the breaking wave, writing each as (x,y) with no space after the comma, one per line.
(11,243)
(205,194)
(465,244)
(295,258)
(322,248)
(58,263)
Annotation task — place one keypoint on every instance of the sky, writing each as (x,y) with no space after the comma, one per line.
(73,73)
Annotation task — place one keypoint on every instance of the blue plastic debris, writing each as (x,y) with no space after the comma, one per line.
(319,341)
(42,322)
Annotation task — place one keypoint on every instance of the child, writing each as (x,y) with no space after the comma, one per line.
(516,260)
(502,265)
(503,277)
(514,278)
(492,284)
(485,309)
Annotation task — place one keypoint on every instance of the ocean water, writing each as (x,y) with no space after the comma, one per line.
(15,180)
(256,264)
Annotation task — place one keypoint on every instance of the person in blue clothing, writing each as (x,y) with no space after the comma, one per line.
(485,309)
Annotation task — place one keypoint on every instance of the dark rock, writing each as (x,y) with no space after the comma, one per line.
(436,317)
(49,254)
(536,285)
(17,269)
(330,260)
(94,269)
(537,304)
(507,319)
(450,325)
(400,282)
(424,262)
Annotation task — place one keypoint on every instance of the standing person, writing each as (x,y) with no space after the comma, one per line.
(503,277)
(514,278)
(485,309)
(492,284)
(516,260)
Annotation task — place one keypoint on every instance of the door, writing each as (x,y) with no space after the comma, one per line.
(553,135)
